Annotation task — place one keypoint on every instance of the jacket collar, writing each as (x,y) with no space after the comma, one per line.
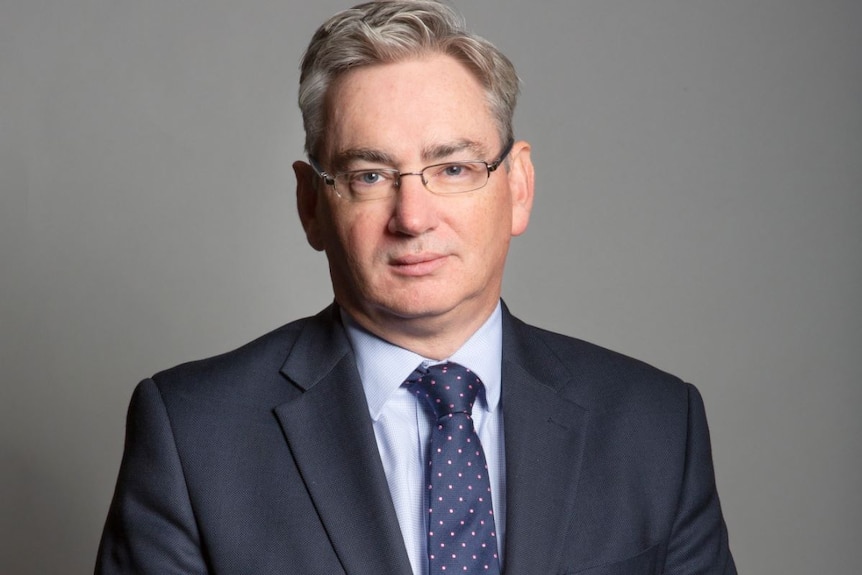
(545,434)
(332,441)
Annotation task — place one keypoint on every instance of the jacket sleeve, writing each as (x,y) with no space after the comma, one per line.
(151,525)
(698,542)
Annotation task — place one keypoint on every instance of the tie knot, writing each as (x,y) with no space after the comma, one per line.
(447,387)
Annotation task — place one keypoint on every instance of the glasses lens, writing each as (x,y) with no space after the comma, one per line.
(455,177)
(368,184)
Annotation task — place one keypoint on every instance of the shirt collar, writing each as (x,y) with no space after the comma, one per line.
(383,366)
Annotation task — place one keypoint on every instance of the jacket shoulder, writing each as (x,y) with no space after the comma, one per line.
(257,362)
(595,377)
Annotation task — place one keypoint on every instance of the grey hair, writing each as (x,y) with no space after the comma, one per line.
(388,31)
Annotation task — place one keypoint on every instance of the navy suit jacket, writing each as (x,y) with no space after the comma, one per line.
(263,461)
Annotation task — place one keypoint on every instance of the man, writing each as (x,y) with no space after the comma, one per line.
(323,447)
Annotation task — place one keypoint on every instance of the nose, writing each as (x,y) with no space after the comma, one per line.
(415,211)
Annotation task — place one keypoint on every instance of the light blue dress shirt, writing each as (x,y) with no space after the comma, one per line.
(403,427)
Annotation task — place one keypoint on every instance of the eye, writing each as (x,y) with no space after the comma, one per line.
(453,170)
(367,178)
(458,170)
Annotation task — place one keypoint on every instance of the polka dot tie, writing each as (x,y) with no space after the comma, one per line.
(462,537)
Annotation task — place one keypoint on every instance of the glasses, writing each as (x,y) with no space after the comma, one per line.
(444,179)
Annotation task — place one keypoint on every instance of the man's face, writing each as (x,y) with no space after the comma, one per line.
(416,261)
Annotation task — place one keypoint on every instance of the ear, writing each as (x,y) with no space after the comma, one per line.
(521,186)
(307,190)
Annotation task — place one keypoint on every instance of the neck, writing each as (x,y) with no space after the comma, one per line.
(435,338)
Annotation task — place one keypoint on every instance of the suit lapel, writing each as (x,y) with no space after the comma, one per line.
(544,441)
(329,432)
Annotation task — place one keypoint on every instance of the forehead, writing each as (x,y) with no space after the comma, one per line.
(407,106)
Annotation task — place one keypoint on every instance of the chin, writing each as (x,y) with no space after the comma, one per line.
(411,304)
(418,304)
(414,310)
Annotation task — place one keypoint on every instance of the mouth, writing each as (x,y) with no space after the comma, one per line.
(417,265)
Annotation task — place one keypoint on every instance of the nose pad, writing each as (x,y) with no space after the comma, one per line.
(421,179)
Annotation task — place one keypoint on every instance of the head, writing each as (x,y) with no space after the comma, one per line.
(390,31)
(394,87)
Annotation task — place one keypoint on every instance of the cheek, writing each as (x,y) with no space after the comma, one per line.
(357,237)
(483,236)
(495,225)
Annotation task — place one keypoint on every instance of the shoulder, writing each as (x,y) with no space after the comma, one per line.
(595,377)
(257,364)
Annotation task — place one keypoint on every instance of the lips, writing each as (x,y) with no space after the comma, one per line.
(416,265)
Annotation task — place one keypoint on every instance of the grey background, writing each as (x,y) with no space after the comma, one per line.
(698,206)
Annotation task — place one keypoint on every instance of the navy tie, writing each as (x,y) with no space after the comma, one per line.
(462,537)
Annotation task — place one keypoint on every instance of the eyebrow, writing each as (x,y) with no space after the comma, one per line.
(443,151)
(343,158)
(438,152)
